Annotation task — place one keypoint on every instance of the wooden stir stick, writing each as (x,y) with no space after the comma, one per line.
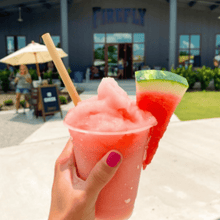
(61,68)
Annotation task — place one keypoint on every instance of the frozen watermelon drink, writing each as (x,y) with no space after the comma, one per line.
(104,122)
(158,92)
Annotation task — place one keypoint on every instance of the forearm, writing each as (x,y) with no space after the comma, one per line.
(29,80)
(16,80)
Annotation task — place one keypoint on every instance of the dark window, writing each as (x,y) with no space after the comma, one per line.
(15,43)
(189,49)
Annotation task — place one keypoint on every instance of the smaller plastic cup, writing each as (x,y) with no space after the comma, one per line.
(116,200)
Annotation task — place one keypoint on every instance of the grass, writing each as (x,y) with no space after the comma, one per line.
(199,105)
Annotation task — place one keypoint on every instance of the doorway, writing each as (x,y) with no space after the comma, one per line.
(115,52)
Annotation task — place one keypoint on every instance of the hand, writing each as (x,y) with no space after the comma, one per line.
(28,79)
(72,197)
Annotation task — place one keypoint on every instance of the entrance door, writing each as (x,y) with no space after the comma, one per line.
(115,52)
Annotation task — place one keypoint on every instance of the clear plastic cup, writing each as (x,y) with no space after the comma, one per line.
(116,200)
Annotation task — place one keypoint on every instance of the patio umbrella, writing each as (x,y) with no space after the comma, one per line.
(33,53)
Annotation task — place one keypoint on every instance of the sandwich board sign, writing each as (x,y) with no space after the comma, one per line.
(50,100)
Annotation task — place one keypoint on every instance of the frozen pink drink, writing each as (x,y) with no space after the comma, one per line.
(104,122)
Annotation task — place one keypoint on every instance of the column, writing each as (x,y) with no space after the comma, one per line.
(172,33)
(64,29)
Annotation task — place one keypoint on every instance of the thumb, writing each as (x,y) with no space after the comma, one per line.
(103,172)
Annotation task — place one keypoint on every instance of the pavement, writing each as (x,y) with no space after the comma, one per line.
(181,183)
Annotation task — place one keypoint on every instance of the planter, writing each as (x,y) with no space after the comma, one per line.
(8,104)
(78,77)
(36,83)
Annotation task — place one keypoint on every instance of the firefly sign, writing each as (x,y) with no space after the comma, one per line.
(118,15)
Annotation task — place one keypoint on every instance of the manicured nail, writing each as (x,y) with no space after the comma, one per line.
(113,159)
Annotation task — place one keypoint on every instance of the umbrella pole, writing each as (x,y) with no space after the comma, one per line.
(37,66)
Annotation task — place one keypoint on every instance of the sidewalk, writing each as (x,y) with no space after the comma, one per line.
(182,182)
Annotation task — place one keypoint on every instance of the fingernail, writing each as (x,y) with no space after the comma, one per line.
(113,159)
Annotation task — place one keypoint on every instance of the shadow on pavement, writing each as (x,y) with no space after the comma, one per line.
(23,118)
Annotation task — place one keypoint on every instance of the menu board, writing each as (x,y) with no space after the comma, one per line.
(49,99)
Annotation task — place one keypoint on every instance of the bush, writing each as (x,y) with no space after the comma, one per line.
(33,74)
(205,75)
(8,102)
(47,75)
(1,107)
(216,77)
(189,74)
(63,100)
(55,75)
(4,78)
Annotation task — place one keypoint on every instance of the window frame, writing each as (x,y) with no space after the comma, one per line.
(132,41)
(15,42)
(189,49)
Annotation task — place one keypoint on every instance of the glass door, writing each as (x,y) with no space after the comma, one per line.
(111,60)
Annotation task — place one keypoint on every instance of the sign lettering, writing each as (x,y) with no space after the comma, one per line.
(118,15)
(50,99)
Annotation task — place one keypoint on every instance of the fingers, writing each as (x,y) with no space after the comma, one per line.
(103,172)
(67,154)
(65,164)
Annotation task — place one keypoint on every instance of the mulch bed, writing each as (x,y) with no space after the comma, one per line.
(12,95)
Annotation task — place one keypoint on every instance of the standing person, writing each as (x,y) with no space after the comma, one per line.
(120,68)
(23,80)
(216,63)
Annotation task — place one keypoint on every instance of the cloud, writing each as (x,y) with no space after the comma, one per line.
(99,38)
(186,45)
(118,37)
(138,47)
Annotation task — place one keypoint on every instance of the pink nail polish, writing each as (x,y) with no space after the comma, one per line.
(113,159)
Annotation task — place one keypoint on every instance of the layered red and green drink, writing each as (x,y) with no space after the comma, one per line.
(104,122)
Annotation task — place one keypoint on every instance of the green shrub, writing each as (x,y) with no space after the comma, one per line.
(55,75)
(216,76)
(1,107)
(4,78)
(164,69)
(205,75)
(8,102)
(188,73)
(63,100)
(47,75)
(33,74)
(22,103)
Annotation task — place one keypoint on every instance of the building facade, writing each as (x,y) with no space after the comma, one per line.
(154,33)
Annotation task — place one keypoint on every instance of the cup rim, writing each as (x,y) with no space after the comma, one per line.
(109,132)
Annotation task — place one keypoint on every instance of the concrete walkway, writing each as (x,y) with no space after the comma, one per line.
(182,182)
